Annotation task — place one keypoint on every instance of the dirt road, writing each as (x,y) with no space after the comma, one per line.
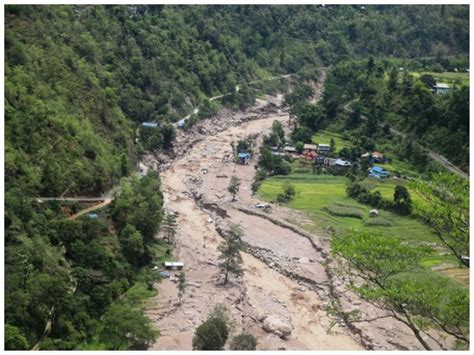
(288,284)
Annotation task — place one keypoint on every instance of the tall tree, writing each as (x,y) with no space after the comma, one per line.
(393,80)
(168,133)
(402,199)
(277,128)
(332,145)
(231,260)
(127,328)
(388,269)
(445,207)
(169,227)
(234,186)
(181,286)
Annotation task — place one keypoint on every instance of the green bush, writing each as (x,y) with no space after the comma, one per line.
(213,333)
(243,341)
(287,194)
(14,339)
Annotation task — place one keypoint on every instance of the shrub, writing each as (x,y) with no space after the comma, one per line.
(259,177)
(213,333)
(299,147)
(243,341)
(287,194)
(208,336)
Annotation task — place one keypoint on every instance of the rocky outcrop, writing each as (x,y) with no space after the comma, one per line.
(276,325)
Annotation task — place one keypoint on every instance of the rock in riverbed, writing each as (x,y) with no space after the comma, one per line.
(274,324)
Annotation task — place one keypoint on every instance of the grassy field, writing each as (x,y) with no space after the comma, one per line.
(386,187)
(446,77)
(403,167)
(324,137)
(320,195)
(323,198)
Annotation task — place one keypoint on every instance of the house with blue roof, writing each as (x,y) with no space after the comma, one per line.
(244,157)
(378,172)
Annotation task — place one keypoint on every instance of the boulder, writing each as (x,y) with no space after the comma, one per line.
(274,324)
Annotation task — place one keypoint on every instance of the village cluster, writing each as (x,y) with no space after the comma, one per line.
(319,154)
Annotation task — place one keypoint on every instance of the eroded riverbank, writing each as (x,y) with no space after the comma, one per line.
(288,276)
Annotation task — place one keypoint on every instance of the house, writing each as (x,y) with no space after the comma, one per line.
(441,88)
(377,157)
(93,216)
(373,213)
(173,265)
(275,151)
(324,149)
(181,123)
(244,158)
(342,163)
(150,124)
(309,155)
(378,172)
(329,161)
(320,160)
(310,148)
(290,151)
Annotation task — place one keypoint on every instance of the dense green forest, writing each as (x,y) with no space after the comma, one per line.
(79,80)
(87,275)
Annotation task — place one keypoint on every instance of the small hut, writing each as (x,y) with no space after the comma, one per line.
(244,158)
(373,213)
(173,265)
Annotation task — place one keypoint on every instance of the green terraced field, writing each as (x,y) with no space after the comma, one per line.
(386,187)
(324,137)
(317,195)
(447,77)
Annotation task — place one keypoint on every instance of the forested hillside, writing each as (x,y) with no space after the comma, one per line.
(391,97)
(79,78)
(79,81)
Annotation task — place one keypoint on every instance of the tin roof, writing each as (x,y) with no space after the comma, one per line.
(379,169)
(173,263)
(342,162)
(150,124)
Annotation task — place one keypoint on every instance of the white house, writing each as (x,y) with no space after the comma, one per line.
(441,88)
